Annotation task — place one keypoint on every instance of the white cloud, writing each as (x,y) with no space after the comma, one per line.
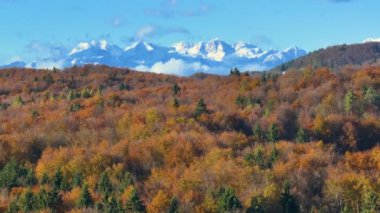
(176,67)
(47,64)
(14,59)
(253,67)
(145,31)
(117,22)
(152,31)
(371,40)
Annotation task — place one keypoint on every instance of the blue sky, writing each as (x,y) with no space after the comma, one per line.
(42,28)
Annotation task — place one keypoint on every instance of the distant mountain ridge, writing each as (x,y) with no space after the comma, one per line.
(336,57)
(182,58)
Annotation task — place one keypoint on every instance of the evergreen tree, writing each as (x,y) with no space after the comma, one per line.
(17,102)
(4,106)
(86,93)
(77,180)
(348,101)
(11,175)
(257,205)
(235,71)
(112,205)
(26,201)
(370,203)
(273,133)
(42,199)
(65,185)
(283,67)
(123,86)
(30,179)
(104,185)
(45,179)
(301,136)
(173,207)
(85,198)
(13,207)
(258,132)
(175,102)
(288,202)
(35,114)
(274,156)
(72,83)
(241,101)
(264,78)
(134,204)
(259,157)
(201,108)
(226,200)
(126,181)
(99,92)
(70,95)
(369,95)
(99,206)
(75,107)
(58,179)
(54,198)
(48,79)
(176,89)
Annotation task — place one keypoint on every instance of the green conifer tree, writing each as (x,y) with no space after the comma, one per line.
(348,102)
(258,132)
(226,200)
(176,89)
(173,207)
(104,185)
(288,202)
(126,181)
(45,179)
(134,204)
(26,201)
(58,179)
(11,174)
(42,199)
(258,205)
(77,180)
(175,102)
(369,204)
(70,95)
(112,205)
(17,102)
(30,179)
(301,136)
(201,108)
(85,198)
(273,133)
(13,207)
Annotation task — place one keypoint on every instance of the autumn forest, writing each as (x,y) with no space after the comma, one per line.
(101,139)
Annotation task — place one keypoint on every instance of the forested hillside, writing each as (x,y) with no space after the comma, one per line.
(337,57)
(100,139)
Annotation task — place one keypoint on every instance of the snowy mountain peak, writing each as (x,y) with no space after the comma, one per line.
(217,49)
(215,56)
(82,46)
(181,47)
(214,49)
(246,50)
(293,48)
(296,51)
(103,44)
(140,46)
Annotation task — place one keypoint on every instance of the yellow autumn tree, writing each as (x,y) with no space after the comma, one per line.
(160,203)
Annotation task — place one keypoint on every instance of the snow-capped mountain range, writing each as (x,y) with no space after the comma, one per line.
(182,58)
